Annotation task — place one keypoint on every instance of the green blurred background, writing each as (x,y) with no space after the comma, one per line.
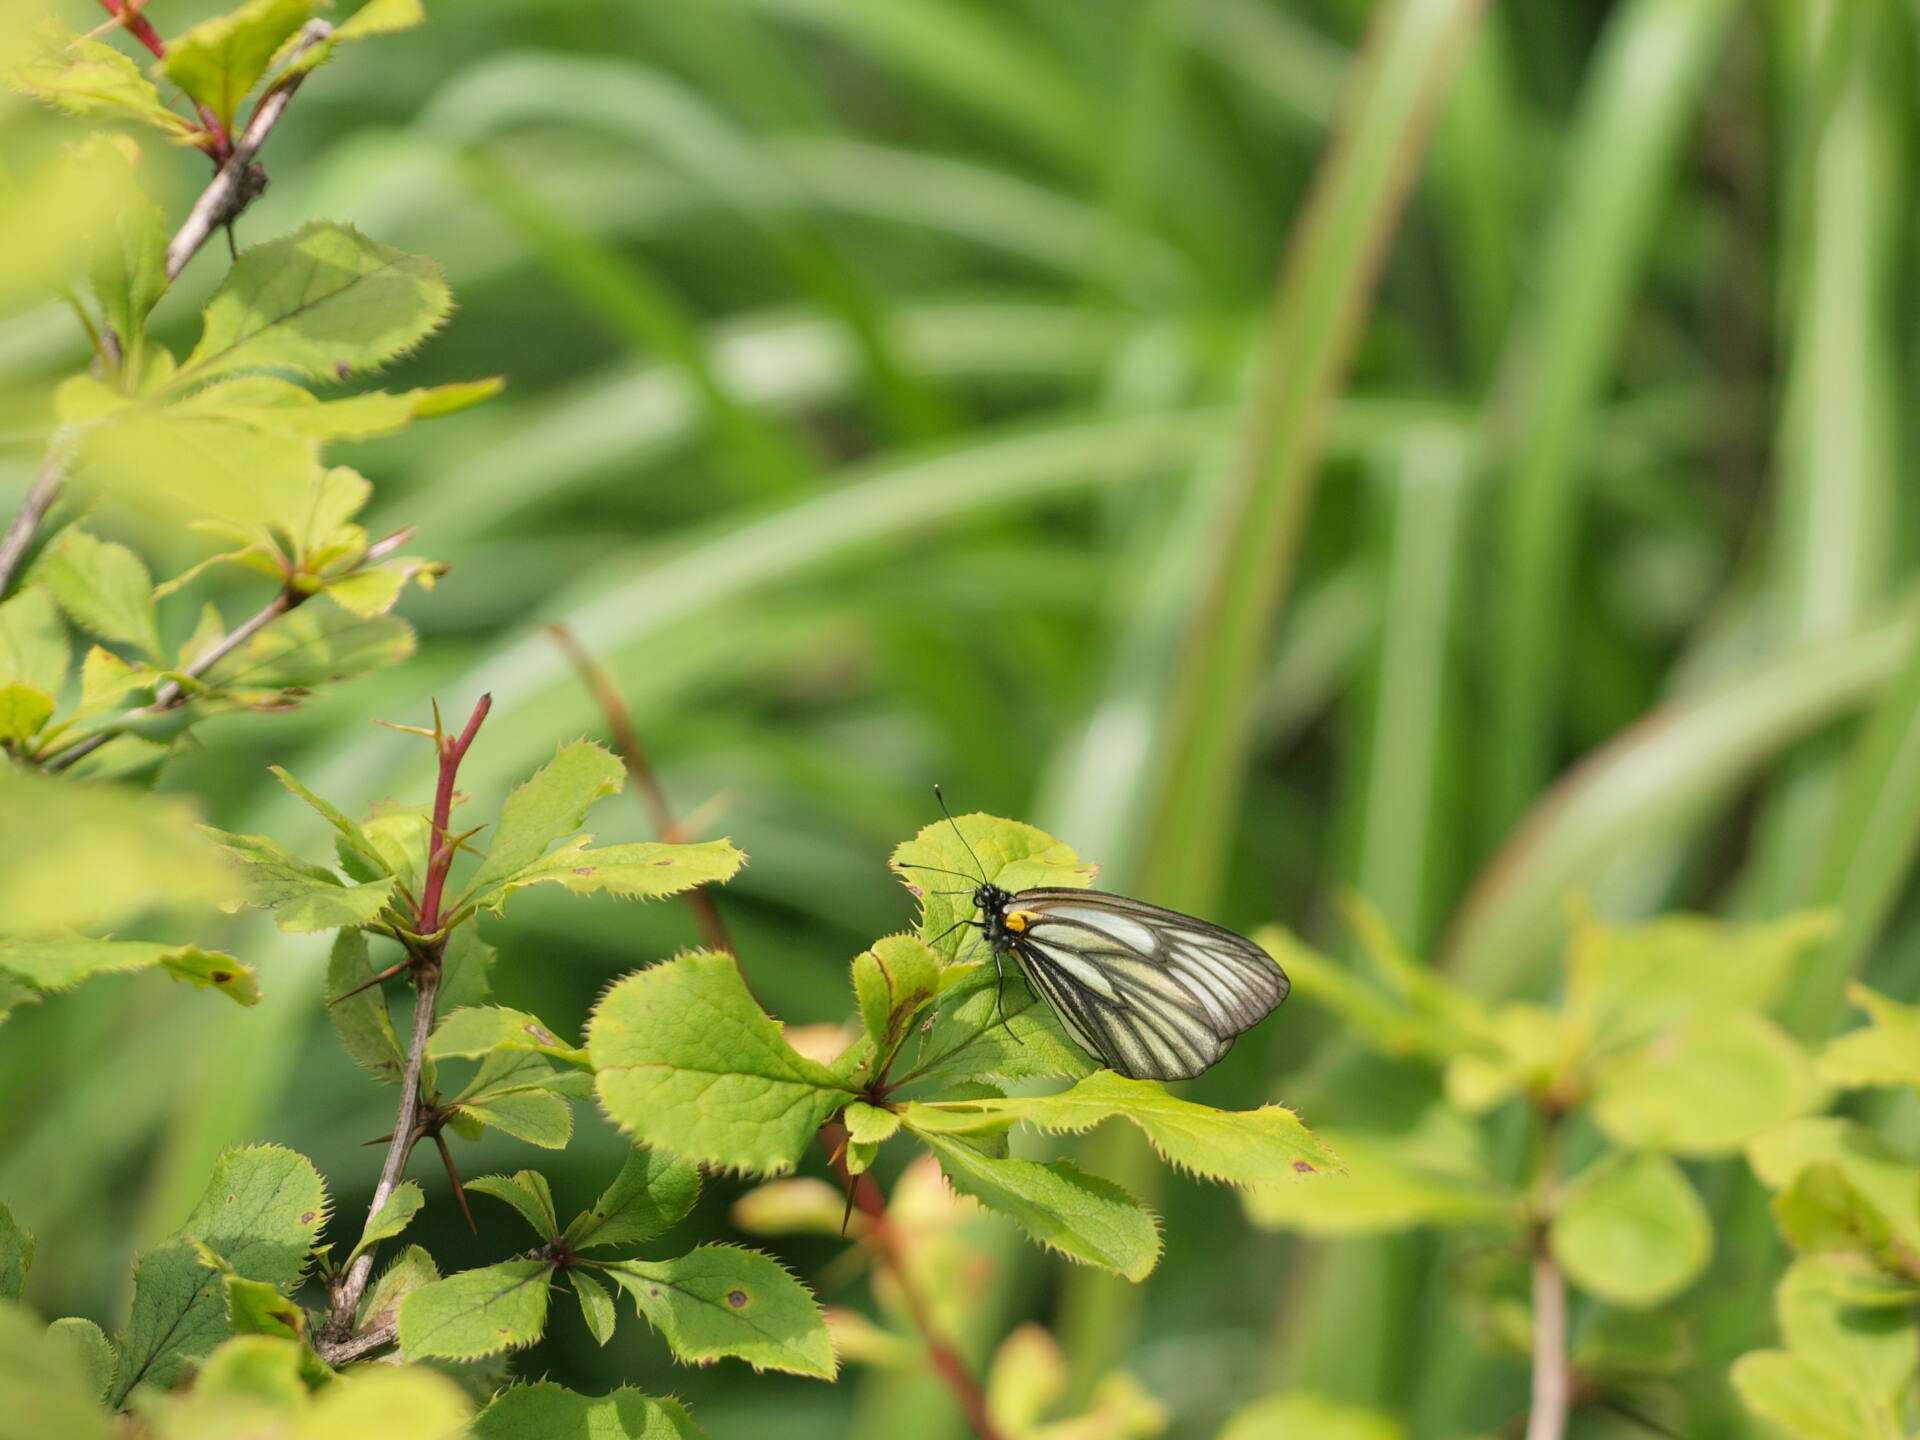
(901,390)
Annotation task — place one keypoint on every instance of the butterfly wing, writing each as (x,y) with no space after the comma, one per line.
(1156,994)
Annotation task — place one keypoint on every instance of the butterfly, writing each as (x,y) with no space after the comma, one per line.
(1155,994)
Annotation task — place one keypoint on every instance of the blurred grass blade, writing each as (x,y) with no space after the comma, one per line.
(1672,765)
(1334,256)
(1425,480)
(621,97)
(624,296)
(1257,513)
(1648,81)
(1835,498)
(977,58)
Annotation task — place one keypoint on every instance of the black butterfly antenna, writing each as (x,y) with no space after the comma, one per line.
(956,830)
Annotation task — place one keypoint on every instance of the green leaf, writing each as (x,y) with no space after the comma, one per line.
(303,897)
(1632,1231)
(318,302)
(652,1193)
(105,588)
(1245,1147)
(1302,1413)
(93,1350)
(86,857)
(23,711)
(351,835)
(1884,1178)
(544,1411)
(127,256)
(62,961)
(1799,1397)
(391,1218)
(1886,1051)
(376,589)
(362,1021)
(257,1386)
(1872,1351)
(1822,1212)
(793,1206)
(93,80)
(464,980)
(105,679)
(33,642)
(870,1124)
(527,1192)
(982,1029)
(1387,1188)
(182,456)
(480,1030)
(1706,1088)
(16,1255)
(1628,983)
(892,982)
(718,1300)
(261,1213)
(45,1388)
(596,1305)
(642,871)
(477,1312)
(411,1269)
(1013,856)
(686,1061)
(539,1119)
(547,808)
(1080,1216)
(219,60)
(382,17)
(257,1308)
(1416,1023)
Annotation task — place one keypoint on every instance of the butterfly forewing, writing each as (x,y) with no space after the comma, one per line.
(1156,994)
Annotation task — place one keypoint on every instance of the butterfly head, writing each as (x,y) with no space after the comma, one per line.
(991,899)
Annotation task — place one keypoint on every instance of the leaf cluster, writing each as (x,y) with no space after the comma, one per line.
(1659,1051)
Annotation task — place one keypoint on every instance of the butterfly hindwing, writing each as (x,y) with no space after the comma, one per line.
(1156,994)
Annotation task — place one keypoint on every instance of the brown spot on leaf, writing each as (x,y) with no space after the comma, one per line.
(659,863)
(1303,1167)
(342,369)
(653,1291)
(737,1298)
(584,870)
(220,977)
(309,1217)
(542,1034)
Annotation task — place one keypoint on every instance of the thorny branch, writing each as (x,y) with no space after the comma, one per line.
(336,1341)
(951,1366)
(173,693)
(239,181)
(234,186)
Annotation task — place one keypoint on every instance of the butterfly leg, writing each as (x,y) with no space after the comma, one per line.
(1000,997)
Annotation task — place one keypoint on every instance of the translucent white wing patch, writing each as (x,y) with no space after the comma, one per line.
(1156,994)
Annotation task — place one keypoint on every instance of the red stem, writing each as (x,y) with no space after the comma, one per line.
(948,1363)
(138,26)
(452,752)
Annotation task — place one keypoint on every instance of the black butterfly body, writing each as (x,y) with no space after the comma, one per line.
(1155,994)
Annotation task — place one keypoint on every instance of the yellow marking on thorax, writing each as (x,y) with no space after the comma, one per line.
(1017,920)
